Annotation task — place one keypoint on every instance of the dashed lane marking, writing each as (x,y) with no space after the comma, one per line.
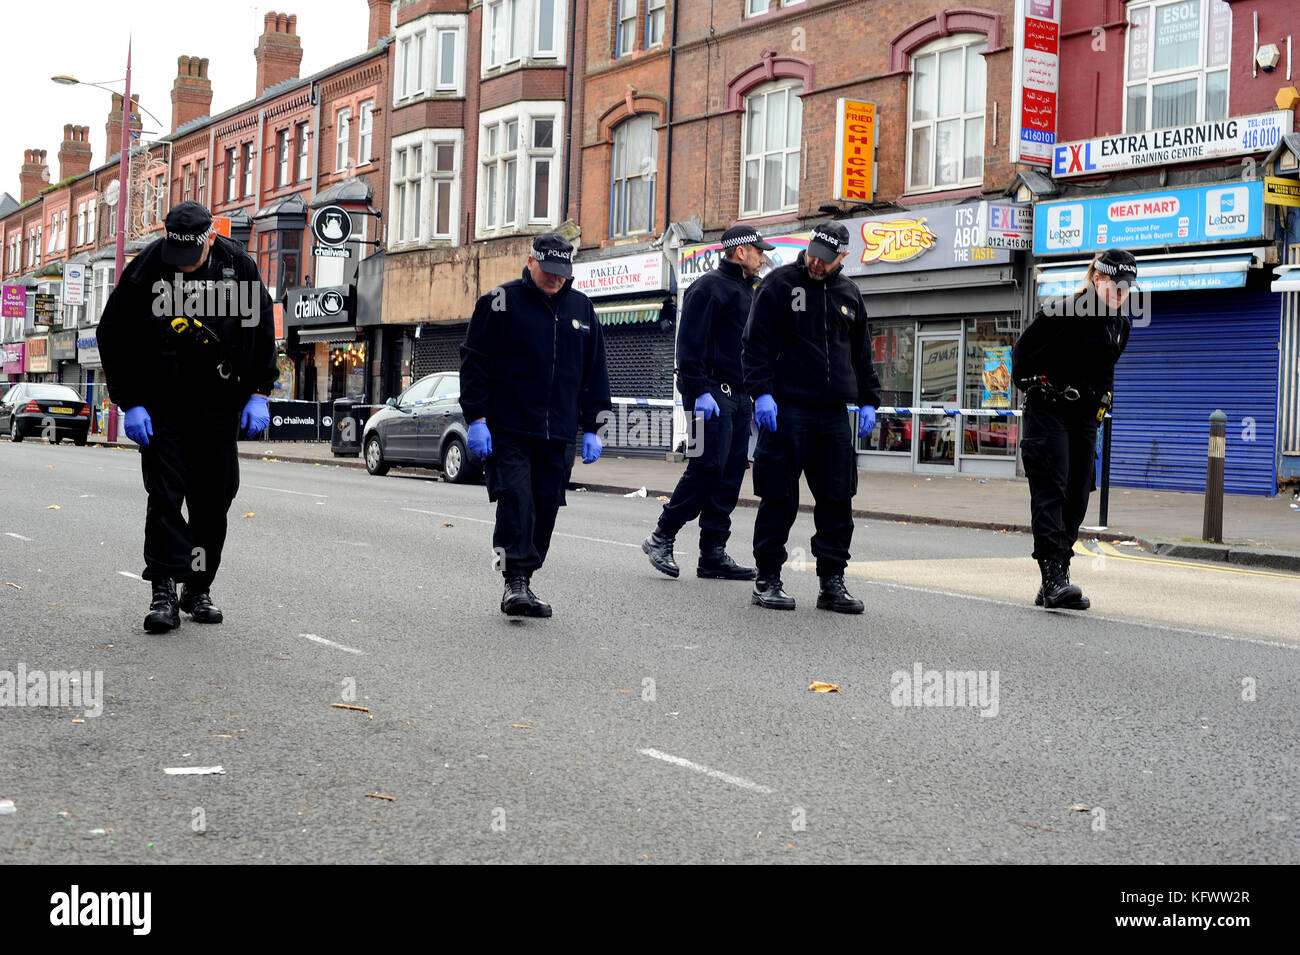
(330,643)
(712,773)
(16,536)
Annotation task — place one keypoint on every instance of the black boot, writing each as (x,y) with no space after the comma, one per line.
(768,593)
(164,614)
(660,551)
(198,604)
(833,596)
(1057,591)
(716,564)
(537,608)
(514,601)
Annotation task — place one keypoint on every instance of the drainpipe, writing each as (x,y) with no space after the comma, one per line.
(568,126)
(668,165)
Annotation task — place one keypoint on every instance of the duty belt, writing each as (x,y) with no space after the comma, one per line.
(725,388)
(1039,385)
(204,338)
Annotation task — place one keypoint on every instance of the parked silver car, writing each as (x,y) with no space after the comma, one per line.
(425,427)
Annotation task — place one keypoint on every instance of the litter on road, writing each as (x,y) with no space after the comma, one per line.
(7,807)
(817,686)
(195,771)
(639,492)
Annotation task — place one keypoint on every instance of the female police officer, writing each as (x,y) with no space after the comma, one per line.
(1065,364)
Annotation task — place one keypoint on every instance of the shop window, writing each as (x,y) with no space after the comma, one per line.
(988,385)
(633,177)
(893,351)
(1176,68)
(772,138)
(946,114)
(348,370)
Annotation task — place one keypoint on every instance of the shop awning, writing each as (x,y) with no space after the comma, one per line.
(1176,273)
(1288,279)
(331,333)
(630,313)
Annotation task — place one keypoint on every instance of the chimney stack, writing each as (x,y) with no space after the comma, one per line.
(74,153)
(380,21)
(114,125)
(34,175)
(278,51)
(191,91)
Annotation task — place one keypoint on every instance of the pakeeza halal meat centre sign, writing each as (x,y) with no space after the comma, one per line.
(1237,136)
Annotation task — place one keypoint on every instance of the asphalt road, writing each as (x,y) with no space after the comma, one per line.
(649,720)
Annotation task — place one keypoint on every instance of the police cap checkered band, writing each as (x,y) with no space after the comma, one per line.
(1116,262)
(744,235)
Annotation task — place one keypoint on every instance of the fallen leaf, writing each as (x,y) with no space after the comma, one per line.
(224,736)
(1043,828)
(344,706)
(663,499)
(522,726)
(448,524)
(249,514)
(1078,807)
(381,796)
(50,466)
(10,583)
(817,686)
(78,720)
(53,507)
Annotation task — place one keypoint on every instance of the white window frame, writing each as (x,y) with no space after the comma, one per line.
(424,230)
(524,32)
(795,91)
(301,152)
(232,173)
(201,194)
(365,131)
(425,35)
(524,157)
(651,8)
(81,223)
(63,230)
(283,159)
(188,179)
(1201,72)
(540,49)
(342,137)
(54,232)
(248,163)
(757,8)
(956,41)
(618,182)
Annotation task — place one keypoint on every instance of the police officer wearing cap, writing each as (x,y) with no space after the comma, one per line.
(532,374)
(187,340)
(709,377)
(1064,362)
(806,354)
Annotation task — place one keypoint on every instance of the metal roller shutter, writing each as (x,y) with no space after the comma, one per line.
(1201,351)
(437,349)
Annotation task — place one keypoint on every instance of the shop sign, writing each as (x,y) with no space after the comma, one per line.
(13,304)
(855,150)
(1186,216)
(943,237)
(44,308)
(620,276)
(12,358)
(1035,80)
(695,260)
(63,346)
(1281,192)
(1218,139)
(74,284)
(38,354)
(1006,225)
(88,347)
(327,305)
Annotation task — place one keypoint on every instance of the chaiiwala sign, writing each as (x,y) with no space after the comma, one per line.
(943,237)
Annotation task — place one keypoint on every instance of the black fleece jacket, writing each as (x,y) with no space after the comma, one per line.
(714,311)
(534,364)
(809,340)
(147,364)
(1073,342)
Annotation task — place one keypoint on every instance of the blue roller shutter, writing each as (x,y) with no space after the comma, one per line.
(1201,351)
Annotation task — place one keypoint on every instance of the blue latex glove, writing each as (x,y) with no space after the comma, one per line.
(765,412)
(139,426)
(255,416)
(866,420)
(480,439)
(706,407)
(591,447)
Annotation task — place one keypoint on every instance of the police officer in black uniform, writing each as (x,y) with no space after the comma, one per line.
(532,373)
(714,311)
(806,354)
(1065,364)
(188,344)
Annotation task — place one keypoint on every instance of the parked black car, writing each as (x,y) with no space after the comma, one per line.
(425,427)
(29,408)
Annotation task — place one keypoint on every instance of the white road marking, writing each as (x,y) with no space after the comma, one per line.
(282,490)
(16,536)
(330,643)
(479,520)
(127,573)
(714,773)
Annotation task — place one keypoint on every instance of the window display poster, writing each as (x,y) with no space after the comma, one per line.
(997,378)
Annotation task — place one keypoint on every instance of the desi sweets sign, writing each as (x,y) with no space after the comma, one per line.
(1035,81)
(695,260)
(940,238)
(629,273)
(1142,220)
(1160,147)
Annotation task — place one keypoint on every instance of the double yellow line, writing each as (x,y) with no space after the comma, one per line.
(1109,550)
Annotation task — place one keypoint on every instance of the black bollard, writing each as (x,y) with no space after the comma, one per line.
(1212,529)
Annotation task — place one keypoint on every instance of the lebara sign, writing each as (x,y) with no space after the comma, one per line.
(1195,215)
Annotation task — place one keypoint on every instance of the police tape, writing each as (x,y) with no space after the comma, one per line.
(649,402)
(953,412)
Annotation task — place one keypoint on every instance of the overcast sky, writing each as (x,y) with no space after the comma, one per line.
(88,39)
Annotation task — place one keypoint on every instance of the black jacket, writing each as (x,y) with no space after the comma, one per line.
(1073,342)
(143,359)
(714,311)
(534,365)
(808,340)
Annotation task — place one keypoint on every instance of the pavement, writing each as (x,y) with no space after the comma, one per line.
(1257,531)
(367,701)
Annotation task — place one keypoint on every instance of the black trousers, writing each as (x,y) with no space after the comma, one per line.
(1059,449)
(526,478)
(192,460)
(710,486)
(816,442)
